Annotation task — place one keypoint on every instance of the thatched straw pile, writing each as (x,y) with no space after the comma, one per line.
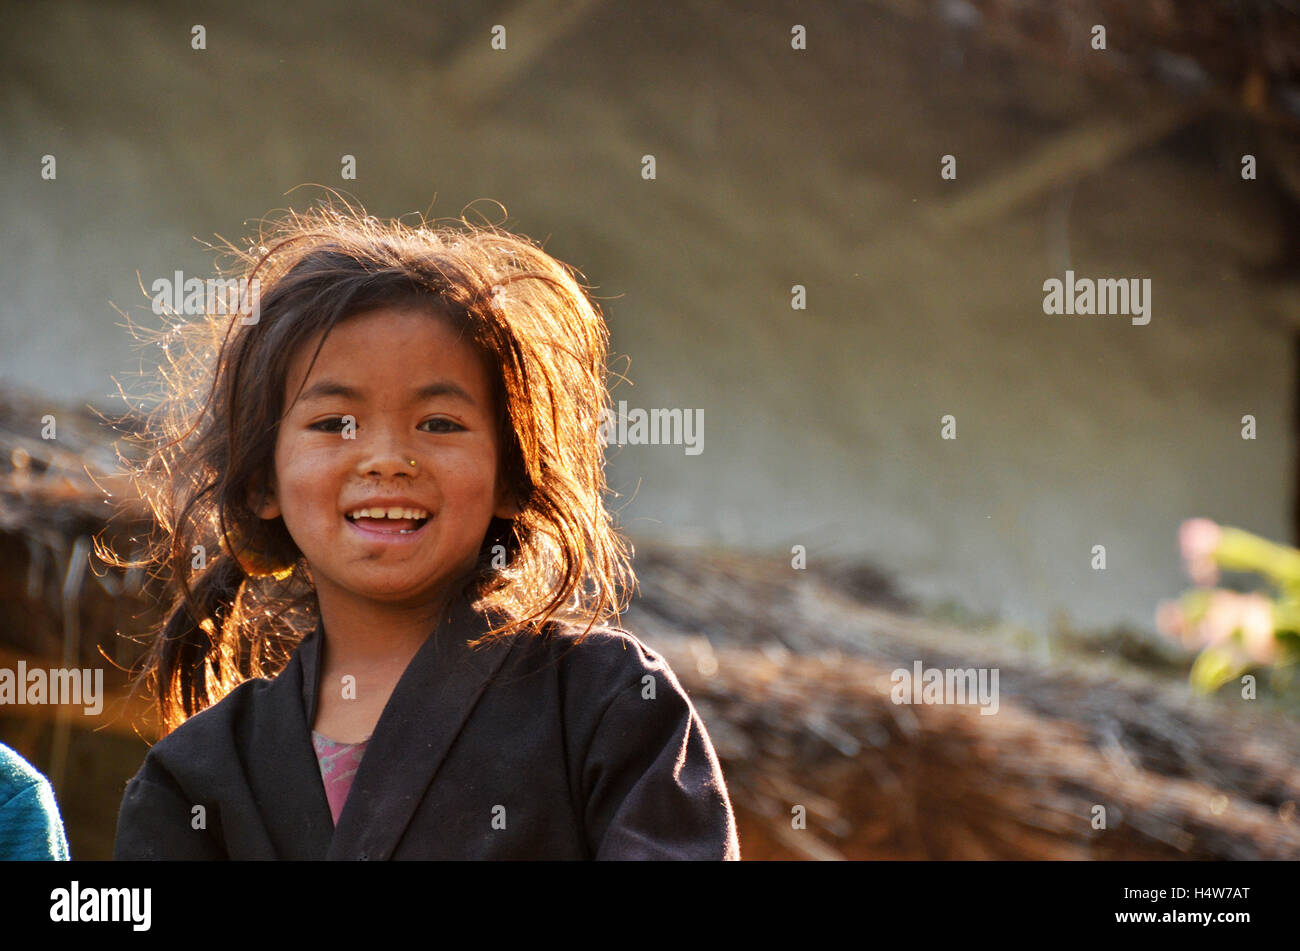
(792,677)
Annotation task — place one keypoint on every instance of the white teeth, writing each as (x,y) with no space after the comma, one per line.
(394,512)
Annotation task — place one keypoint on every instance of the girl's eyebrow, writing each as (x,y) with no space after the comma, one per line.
(323,389)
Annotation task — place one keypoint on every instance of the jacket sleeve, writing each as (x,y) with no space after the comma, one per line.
(30,826)
(653,785)
(156,822)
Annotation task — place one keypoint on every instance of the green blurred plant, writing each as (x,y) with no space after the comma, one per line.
(1232,632)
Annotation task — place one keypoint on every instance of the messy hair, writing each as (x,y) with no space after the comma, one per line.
(208,443)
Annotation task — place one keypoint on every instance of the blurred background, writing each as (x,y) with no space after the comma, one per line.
(799,269)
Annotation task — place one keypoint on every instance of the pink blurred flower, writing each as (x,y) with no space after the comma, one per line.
(1198,538)
(1226,614)
(1170,620)
(1257,628)
(1222,617)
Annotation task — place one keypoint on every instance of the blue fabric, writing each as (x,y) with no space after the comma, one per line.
(30,826)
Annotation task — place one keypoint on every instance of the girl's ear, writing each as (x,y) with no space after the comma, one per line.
(270,505)
(507,507)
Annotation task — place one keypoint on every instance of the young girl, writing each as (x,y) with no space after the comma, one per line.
(397,447)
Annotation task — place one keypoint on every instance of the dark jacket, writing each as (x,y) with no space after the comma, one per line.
(557,741)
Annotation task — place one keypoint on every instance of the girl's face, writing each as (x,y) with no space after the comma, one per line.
(417,393)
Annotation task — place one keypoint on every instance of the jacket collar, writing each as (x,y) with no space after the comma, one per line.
(426,712)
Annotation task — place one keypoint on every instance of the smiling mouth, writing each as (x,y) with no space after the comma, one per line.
(389,526)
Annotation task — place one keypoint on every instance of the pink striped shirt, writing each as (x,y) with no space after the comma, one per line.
(338,766)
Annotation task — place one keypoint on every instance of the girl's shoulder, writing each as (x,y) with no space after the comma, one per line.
(599,662)
(604,645)
(214,729)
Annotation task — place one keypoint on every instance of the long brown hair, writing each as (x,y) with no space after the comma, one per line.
(210,439)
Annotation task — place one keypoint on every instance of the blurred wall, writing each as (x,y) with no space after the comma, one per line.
(775,167)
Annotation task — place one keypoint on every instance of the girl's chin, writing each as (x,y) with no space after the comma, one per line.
(381,593)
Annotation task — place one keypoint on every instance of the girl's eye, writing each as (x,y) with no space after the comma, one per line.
(438,424)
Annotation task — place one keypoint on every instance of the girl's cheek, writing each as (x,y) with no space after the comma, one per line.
(309,456)
(475,477)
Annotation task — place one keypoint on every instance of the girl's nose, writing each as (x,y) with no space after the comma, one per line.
(389,467)
(388,457)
